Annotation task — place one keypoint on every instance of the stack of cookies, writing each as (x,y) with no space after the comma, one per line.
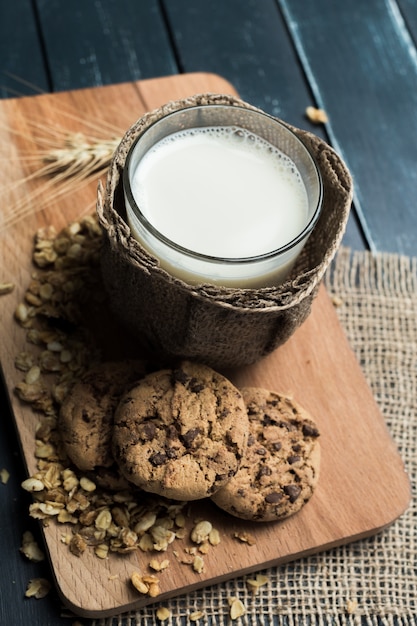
(187,433)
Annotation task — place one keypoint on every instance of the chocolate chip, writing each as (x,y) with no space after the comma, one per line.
(273,498)
(148,431)
(196,386)
(264,471)
(296,447)
(267,420)
(189,437)
(171,432)
(171,453)
(292,491)
(293,459)
(85,416)
(180,376)
(251,440)
(310,431)
(260,451)
(276,446)
(159,458)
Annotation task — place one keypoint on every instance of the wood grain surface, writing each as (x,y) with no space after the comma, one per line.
(362,487)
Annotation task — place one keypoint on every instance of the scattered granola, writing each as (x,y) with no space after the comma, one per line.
(201,531)
(196,615)
(38,588)
(33,484)
(351,606)
(158,566)
(198,564)
(77,545)
(214,537)
(147,585)
(237,608)
(254,584)
(6,288)
(163,613)
(317,116)
(102,550)
(337,301)
(61,346)
(30,548)
(4,475)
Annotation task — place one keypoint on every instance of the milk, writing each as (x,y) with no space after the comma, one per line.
(219,192)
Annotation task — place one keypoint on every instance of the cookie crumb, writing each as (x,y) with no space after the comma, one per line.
(317,116)
(245,537)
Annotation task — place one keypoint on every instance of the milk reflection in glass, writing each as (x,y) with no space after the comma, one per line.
(220,192)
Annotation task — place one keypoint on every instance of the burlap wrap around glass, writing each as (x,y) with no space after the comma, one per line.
(372,582)
(222,326)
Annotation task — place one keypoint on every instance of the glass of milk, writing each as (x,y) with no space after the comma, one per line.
(223,195)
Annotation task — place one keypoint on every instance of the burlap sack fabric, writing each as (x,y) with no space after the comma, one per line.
(224,327)
(372,581)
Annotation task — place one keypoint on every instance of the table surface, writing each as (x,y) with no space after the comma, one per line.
(356,60)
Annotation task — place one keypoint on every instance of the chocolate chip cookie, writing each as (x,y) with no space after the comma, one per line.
(280,469)
(181,432)
(86,415)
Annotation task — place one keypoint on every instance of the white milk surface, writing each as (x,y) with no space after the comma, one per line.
(221,192)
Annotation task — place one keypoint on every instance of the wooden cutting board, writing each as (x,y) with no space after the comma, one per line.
(363,487)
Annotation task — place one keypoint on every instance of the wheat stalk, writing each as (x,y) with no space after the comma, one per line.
(62,162)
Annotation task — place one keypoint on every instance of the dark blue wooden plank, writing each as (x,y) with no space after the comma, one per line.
(22,68)
(103,42)
(408,9)
(248,43)
(361,63)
